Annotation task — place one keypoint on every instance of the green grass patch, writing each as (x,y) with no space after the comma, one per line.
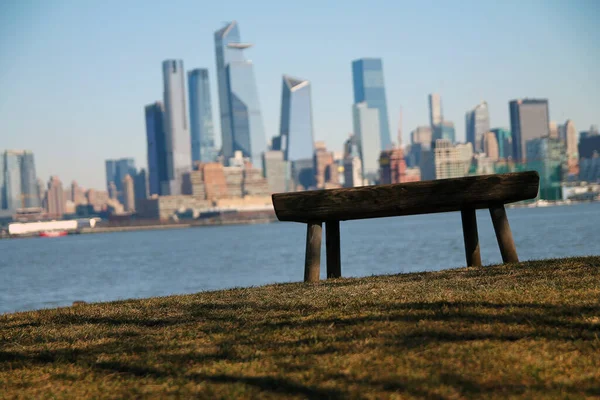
(529,330)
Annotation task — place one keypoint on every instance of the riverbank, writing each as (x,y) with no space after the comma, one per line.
(528,330)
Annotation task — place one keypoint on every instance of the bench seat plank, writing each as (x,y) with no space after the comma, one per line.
(443,195)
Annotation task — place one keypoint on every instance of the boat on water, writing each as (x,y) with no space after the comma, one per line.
(53,233)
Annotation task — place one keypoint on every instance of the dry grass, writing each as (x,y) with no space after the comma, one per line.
(529,330)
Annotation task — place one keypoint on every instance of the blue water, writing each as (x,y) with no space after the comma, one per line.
(49,272)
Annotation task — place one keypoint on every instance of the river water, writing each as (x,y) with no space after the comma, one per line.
(50,272)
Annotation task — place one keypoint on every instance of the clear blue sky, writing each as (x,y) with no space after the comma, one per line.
(75,75)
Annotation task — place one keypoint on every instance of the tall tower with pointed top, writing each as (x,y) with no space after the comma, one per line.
(241,120)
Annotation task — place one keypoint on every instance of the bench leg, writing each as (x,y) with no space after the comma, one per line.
(332,244)
(312,262)
(503,234)
(469,224)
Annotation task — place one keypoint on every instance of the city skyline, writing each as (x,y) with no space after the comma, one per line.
(75,155)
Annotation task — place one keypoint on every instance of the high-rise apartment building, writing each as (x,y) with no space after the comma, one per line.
(156,147)
(435,110)
(128,194)
(18,182)
(367,129)
(296,125)
(55,197)
(452,161)
(553,130)
(477,124)
(201,122)
(177,135)
(323,159)
(529,119)
(241,120)
(369,89)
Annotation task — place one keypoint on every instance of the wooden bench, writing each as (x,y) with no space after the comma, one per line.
(458,194)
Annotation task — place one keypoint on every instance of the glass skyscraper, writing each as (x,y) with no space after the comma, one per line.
(201,123)
(504,138)
(477,122)
(296,127)
(369,88)
(241,120)
(177,137)
(366,128)
(18,182)
(157,154)
(116,170)
(529,119)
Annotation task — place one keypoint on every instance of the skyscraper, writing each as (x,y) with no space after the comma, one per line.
(296,126)
(18,182)
(119,169)
(477,124)
(177,137)
(157,154)
(366,128)
(570,138)
(201,122)
(55,197)
(435,110)
(529,119)
(241,120)
(369,88)
(490,146)
(128,193)
(444,130)
(504,139)
(140,186)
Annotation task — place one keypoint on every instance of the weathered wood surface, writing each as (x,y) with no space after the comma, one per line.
(503,234)
(471,237)
(332,244)
(312,261)
(425,197)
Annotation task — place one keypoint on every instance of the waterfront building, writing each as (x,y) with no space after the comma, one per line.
(477,124)
(529,119)
(241,120)
(296,136)
(156,147)
(176,129)
(547,156)
(201,122)
(369,92)
(18,182)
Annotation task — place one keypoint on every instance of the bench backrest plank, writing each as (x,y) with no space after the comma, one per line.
(425,197)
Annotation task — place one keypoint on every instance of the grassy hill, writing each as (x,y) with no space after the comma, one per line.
(529,330)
